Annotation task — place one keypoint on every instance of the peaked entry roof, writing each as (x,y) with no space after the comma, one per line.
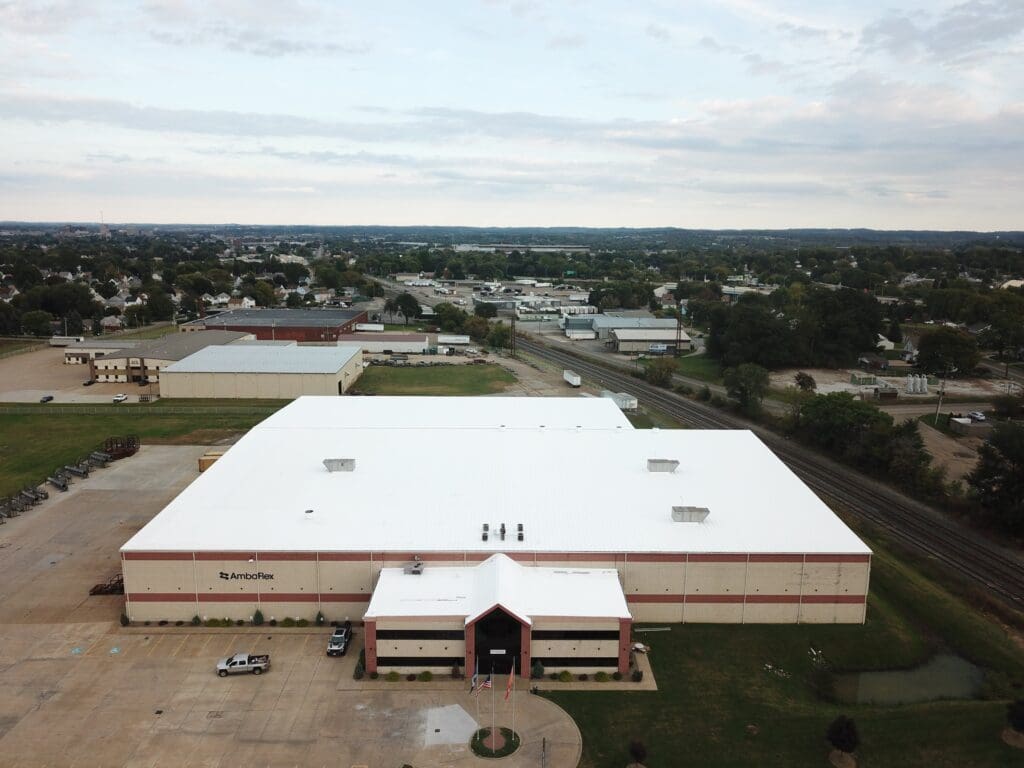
(525,592)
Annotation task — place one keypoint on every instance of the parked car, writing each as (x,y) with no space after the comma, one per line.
(243,662)
(339,640)
(120,397)
(976,416)
(88,382)
(143,382)
(45,398)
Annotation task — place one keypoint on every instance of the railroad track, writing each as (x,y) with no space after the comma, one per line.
(909,522)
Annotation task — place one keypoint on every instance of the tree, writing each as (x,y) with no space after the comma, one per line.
(450,318)
(407,306)
(1015,715)
(73,323)
(659,372)
(842,734)
(293,300)
(499,336)
(747,384)
(895,334)
(947,350)
(390,308)
(477,327)
(485,310)
(160,305)
(637,751)
(9,324)
(37,323)
(805,382)
(997,481)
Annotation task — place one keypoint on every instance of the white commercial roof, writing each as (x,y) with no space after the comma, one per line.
(430,489)
(648,334)
(612,321)
(266,359)
(472,591)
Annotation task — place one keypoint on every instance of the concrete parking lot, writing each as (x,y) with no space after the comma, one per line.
(77,689)
(29,376)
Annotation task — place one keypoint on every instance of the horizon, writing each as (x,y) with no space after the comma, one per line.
(736,114)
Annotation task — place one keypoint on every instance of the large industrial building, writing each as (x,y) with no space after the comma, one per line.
(264,371)
(456,527)
(308,325)
(147,360)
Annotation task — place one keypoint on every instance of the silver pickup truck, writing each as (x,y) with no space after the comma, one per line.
(243,662)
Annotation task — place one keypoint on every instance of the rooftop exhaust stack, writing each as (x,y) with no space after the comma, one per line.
(662,465)
(340,465)
(690,514)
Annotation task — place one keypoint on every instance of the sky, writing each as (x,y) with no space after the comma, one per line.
(718,114)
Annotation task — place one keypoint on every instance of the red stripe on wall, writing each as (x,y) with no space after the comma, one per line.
(751,599)
(776,558)
(838,558)
(350,597)
(654,598)
(656,558)
(717,599)
(721,558)
(576,557)
(773,599)
(162,597)
(845,599)
(245,597)
(287,556)
(233,556)
(157,555)
(344,557)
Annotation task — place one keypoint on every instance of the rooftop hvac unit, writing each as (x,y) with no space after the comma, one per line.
(340,465)
(690,514)
(414,569)
(662,465)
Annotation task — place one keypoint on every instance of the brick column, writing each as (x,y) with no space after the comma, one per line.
(470,648)
(525,655)
(625,635)
(370,645)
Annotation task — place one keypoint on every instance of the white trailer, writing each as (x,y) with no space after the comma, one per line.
(572,378)
(624,400)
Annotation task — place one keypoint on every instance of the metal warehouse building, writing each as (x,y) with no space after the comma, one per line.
(258,371)
(454,527)
(309,325)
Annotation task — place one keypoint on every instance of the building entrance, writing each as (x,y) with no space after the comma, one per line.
(497,641)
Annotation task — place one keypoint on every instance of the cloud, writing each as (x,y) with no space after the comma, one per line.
(658,32)
(566,42)
(759,65)
(959,33)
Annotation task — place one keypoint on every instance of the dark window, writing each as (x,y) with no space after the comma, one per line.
(576,634)
(421,661)
(577,661)
(421,634)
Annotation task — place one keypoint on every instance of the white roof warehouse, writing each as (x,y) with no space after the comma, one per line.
(323,495)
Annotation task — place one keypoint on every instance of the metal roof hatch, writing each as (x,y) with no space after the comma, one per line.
(340,465)
(690,514)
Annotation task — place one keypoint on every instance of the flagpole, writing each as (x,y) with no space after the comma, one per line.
(494,740)
(513,697)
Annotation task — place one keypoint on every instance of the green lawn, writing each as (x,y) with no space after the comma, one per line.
(712,685)
(700,367)
(149,332)
(33,445)
(402,328)
(941,424)
(12,345)
(436,380)
(648,419)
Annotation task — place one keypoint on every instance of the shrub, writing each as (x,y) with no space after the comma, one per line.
(638,675)
(178,623)
(425,676)
(124,620)
(411,677)
(553,676)
(456,672)
(257,618)
(1015,715)
(196,621)
(683,389)
(602,677)
(718,401)
(584,676)
(302,623)
(565,676)
(536,670)
(616,675)
(288,622)
(637,751)
(357,673)
(239,622)
(704,393)
(842,734)
(213,622)
(162,622)
(362,656)
(146,623)
(320,618)
(273,622)
(392,677)
(374,675)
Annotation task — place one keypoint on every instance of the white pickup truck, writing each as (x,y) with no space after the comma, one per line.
(243,662)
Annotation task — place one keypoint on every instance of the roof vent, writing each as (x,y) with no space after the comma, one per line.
(690,514)
(662,465)
(414,569)
(340,465)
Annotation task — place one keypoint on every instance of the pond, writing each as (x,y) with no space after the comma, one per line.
(944,676)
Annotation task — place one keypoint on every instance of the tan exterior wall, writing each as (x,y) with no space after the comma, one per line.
(278,386)
(658,588)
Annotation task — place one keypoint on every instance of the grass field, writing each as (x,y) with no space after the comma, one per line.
(712,685)
(13,345)
(437,380)
(700,367)
(149,332)
(648,419)
(33,445)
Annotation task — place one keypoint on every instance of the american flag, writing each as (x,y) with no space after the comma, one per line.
(486,683)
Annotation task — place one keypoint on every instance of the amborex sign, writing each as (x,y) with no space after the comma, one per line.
(259,575)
